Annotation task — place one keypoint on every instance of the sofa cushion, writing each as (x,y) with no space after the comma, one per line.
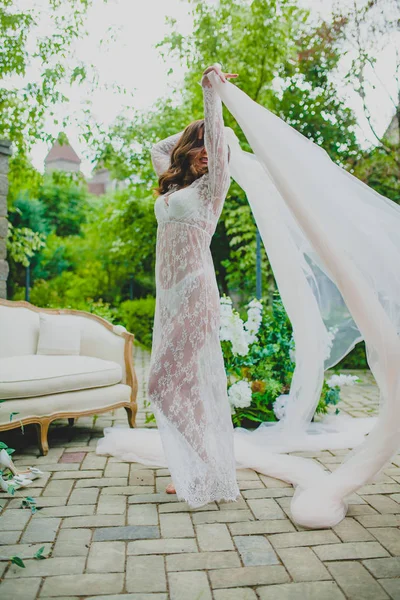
(39,375)
(58,336)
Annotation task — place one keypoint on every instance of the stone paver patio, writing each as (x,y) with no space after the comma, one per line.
(111,532)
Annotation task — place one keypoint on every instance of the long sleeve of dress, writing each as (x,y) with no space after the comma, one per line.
(161,153)
(216,146)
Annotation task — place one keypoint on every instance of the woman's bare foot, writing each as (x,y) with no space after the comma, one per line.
(170,489)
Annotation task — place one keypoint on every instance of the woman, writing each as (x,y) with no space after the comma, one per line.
(187,383)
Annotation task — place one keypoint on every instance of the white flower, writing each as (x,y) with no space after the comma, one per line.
(238,338)
(340,380)
(253,322)
(239,394)
(279,406)
(231,327)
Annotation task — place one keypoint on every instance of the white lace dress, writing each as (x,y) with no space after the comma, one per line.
(187,383)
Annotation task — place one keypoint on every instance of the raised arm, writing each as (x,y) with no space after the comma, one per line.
(215,143)
(161,153)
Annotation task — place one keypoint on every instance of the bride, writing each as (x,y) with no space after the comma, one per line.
(334,246)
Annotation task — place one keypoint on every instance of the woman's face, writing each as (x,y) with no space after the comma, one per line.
(200,160)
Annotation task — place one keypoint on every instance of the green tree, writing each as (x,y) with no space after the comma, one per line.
(33,66)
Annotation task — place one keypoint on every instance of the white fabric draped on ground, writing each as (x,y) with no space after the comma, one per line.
(334,246)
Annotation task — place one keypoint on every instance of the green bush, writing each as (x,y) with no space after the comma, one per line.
(138,318)
(355,359)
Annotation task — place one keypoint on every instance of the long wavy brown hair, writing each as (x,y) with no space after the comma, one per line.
(183,170)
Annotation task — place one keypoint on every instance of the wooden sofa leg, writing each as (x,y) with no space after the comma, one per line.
(42,430)
(131,413)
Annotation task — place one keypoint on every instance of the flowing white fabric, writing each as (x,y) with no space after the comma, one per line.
(334,246)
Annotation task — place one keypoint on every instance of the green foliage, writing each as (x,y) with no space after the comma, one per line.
(267,365)
(64,200)
(25,103)
(23,243)
(138,317)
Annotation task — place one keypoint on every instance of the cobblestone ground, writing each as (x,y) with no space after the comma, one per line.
(111,532)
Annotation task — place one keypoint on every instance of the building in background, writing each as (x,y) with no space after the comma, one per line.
(62,157)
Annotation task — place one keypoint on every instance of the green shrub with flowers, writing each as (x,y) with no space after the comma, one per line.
(258,354)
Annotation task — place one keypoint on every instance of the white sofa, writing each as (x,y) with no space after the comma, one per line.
(41,388)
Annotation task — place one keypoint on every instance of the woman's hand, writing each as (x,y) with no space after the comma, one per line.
(218,70)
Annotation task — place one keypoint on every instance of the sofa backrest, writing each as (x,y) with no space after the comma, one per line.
(19,334)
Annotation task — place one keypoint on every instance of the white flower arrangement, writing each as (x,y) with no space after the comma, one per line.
(341,380)
(239,394)
(232,329)
(279,406)
(253,322)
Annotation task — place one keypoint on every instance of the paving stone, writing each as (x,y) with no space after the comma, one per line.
(383,504)
(355,581)
(254,527)
(83,585)
(9,537)
(268,493)
(145,514)
(142,477)
(383,567)
(239,504)
(88,496)
(266,509)
(379,488)
(127,490)
(303,538)
(129,532)
(58,488)
(111,505)
(73,510)
(274,483)
(41,529)
(93,521)
(76,474)
(24,550)
(93,462)
(143,596)
(106,557)
(214,537)
(240,594)
(153,498)
(191,584)
(247,475)
(248,576)
(14,520)
(350,530)
(392,587)
(255,550)
(318,590)
(72,457)
(101,482)
(72,542)
(183,507)
(19,589)
(303,565)
(116,470)
(176,526)
(146,574)
(360,509)
(46,568)
(168,546)
(202,560)
(250,485)
(350,550)
(389,537)
(222,516)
